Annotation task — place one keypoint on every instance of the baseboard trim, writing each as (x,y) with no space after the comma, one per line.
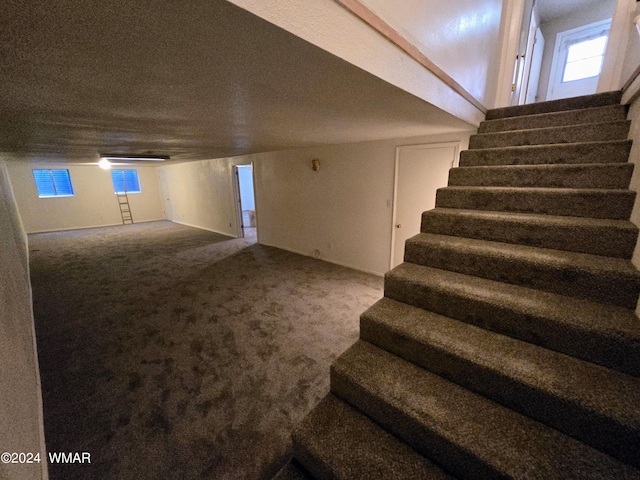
(203,228)
(328,260)
(52,230)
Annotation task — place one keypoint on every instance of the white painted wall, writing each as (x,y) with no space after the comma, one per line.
(21,422)
(331,27)
(342,209)
(594,12)
(202,194)
(634,157)
(632,58)
(94,203)
(459,36)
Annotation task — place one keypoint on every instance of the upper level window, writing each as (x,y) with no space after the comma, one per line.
(125,181)
(53,183)
(584,59)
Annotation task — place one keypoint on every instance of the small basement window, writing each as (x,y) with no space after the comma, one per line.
(53,183)
(125,181)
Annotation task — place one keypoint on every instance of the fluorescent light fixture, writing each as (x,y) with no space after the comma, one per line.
(134,158)
(637,22)
(104,164)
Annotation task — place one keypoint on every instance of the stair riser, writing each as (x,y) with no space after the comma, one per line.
(336,441)
(569,418)
(452,457)
(582,153)
(614,176)
(563,279)
(587,101)
(615,205)
(572,134)
(613,113)
(597,241)
(517,321)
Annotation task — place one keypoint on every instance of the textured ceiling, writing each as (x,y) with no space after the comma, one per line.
(193,80)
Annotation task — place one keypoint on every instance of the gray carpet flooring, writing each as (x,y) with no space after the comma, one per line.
(169,352)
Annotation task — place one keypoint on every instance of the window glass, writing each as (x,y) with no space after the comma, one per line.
(125,181)
(53,183)
(584,59)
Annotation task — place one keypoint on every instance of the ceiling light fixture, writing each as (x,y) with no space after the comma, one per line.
(135,158)
(104,164)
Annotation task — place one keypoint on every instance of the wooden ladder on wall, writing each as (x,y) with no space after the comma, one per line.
(125,209)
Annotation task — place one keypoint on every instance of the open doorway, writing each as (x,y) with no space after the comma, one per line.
(559,49)
(576,36)
(246,203)
(577,60)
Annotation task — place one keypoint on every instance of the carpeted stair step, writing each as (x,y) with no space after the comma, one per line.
(585,101)
(469,435)
(543,136)
(613,238)
(590,203)
(602,175)
(601,279)
(338,442)
(616,151)
(594,404)
(293,471)
(610,113)
(598,333)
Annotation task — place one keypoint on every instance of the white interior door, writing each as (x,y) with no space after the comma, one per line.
(420,171)
(536,66)
(528,56)
(164,189)
(563,68)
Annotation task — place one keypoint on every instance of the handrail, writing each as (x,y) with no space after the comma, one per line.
(386,30)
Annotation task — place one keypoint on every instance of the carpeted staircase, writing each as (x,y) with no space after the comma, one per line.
(506,345)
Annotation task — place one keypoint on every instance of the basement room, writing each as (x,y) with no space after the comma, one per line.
(201,201)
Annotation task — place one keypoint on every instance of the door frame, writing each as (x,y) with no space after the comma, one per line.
(237,198)
(423,146)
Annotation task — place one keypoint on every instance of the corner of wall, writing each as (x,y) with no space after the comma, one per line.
(21,420)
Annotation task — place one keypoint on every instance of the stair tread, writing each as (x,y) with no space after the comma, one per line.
(429,411)
(601,279)
(555,167)
(594,403)
(605,334)
(579,126)
(336,441)
(575,202)
(534,218)
(595,175)
(618,130)
(575,116)
(543,190)
(561,105)
(616,238)
(611,151)
(581,313)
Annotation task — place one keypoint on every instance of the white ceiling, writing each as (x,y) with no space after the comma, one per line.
(193,80)
(550,9)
